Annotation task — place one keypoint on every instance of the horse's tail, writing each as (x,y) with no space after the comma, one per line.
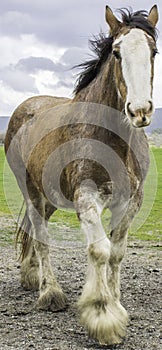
(23,236)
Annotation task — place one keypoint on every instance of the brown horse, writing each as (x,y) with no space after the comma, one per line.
(90,151)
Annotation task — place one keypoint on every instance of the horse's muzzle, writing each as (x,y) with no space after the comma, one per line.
(141,122)
(140,117)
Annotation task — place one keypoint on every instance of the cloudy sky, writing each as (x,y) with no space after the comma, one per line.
(42,39)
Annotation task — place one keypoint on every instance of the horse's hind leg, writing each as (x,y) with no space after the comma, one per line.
(104,319)
(51,295)
(29,261)
(30,278)
(30,267)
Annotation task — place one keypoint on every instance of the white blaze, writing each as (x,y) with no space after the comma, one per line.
(136,67)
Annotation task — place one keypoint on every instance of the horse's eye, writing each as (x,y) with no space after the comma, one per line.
(155,51)
(116,54)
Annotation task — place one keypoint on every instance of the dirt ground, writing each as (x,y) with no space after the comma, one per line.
(21,329)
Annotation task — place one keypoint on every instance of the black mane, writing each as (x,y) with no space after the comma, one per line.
(102,46)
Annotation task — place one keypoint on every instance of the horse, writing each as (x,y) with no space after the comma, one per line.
(89,152)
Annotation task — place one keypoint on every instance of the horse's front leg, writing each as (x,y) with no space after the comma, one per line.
(51,295)
(118,248)
(119,241)
(104,319)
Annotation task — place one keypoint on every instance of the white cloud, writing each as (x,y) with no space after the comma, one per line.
(10,99)
(17,85)
(48,84)
(15,20)
(25,46)
(18,80)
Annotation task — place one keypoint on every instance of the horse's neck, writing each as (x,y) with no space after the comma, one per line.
(102,89)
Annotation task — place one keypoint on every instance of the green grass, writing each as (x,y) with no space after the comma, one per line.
(152,226)
(147,226)
(3,204)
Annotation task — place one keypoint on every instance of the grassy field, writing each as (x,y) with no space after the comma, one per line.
(147,225)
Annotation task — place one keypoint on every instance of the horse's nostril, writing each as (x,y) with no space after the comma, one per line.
(145,109)
(151,107)
(132,114)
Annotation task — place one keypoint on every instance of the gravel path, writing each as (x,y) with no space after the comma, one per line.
(141,292)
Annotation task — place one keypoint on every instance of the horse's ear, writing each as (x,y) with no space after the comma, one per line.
(112,21)
(153,15)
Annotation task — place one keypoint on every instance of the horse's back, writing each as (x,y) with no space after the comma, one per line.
(28,110)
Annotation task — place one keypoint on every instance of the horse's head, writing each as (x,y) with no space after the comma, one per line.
(134,50)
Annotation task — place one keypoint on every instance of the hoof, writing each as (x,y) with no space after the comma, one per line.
(104,322)
(52,300)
